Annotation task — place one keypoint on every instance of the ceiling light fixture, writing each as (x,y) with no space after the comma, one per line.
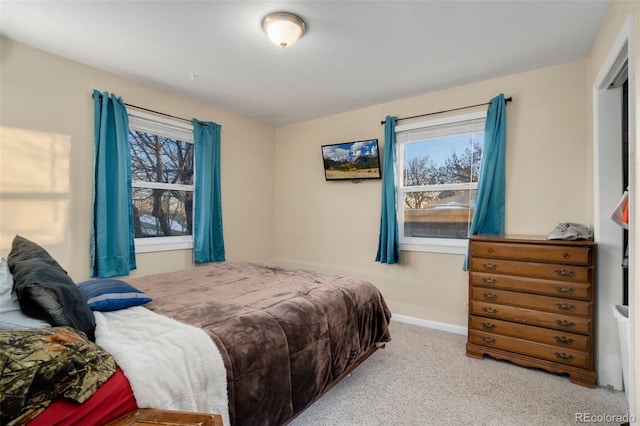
(284,28)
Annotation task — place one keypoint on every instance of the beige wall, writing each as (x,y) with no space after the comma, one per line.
(46,114)
(334,226)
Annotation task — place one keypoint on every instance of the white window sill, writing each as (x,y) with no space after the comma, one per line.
(436,245)
(149,245)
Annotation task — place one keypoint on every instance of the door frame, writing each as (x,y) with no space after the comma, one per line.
(607,114)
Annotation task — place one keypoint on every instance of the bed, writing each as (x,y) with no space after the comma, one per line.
(286,336)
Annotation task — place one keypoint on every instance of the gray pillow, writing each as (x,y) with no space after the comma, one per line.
(45,290)
(11,316)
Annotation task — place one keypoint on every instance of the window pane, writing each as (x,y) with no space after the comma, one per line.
(160,159)
(438,214)
(160,212)
(454,159)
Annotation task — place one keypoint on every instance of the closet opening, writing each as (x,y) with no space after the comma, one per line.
(611,173)
(615,159)
(621,83)
(625,186)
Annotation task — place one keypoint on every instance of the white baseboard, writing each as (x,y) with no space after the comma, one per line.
(430,324)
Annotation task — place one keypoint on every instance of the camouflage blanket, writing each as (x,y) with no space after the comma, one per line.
(41,365)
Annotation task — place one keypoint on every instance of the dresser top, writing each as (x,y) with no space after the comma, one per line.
(537,239)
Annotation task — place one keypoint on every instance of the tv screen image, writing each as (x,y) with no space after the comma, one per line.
(351,160)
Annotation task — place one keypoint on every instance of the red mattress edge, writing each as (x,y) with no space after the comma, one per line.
(112,400)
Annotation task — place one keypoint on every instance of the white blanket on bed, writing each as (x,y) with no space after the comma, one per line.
(170,365)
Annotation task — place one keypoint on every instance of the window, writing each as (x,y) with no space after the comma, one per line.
(438,170)
(162,170)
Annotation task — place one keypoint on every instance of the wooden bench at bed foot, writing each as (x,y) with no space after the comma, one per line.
(150,416)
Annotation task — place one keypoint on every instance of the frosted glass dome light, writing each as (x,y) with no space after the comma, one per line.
(283,28)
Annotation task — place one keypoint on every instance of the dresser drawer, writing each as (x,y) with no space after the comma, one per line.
(547,271)
(558,338)
(538,350)
(569,289)
(532,301)
(532,252)
(573,324)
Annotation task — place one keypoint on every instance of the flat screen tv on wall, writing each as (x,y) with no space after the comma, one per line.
(351,160)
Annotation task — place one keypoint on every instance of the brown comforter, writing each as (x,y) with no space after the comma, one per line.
(285,335)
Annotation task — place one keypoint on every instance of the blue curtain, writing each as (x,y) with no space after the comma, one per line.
(208,241)
(389,243)
(488,217)
(112,234)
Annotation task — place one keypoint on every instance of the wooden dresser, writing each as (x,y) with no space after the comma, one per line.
(532,302)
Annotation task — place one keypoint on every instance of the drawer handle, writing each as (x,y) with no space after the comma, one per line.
(565,323)
(490,296)
(489,266)
(488,326)
(566,273)
(490,311)
(564,340)
(563,356)
(490,250)
(565,255)
(488,340)
(489,281)
(566,290)
(565,307)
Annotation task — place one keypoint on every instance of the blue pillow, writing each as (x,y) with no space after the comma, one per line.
(111,295)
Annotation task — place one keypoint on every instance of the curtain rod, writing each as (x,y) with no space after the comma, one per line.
(155,112)
(509,99)
(158,112)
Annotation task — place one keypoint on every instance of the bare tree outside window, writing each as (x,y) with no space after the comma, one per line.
(440,178)
(418,172)
(162,174)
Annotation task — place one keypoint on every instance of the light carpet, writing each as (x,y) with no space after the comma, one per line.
(423,377)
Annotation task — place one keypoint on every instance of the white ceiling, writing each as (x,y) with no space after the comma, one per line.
(354,54)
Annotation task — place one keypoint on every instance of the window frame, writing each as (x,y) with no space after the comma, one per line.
(151,123)
(424,244)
